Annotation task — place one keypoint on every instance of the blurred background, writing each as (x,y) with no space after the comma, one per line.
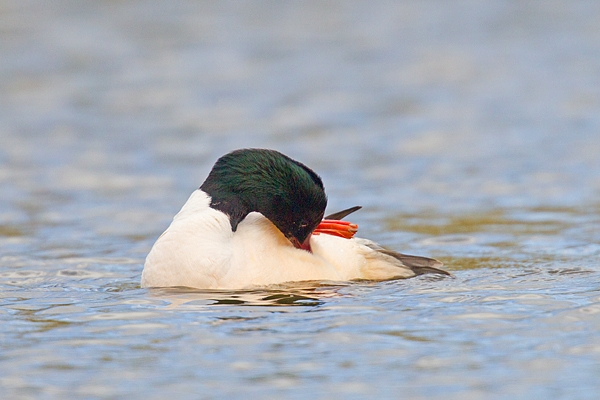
(412,103)
(468,130)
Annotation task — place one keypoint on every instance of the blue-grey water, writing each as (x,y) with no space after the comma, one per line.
(469,131)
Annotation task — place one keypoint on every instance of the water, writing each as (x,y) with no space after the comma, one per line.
(468,131)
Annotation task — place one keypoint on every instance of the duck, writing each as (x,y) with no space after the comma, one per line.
(258,220)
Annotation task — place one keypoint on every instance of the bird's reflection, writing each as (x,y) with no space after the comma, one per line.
(292,294)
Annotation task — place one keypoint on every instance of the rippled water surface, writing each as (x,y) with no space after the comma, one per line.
(469,131)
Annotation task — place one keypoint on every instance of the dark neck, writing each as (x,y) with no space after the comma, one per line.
(228,203)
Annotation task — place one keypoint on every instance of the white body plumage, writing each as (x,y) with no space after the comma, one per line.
(199,249)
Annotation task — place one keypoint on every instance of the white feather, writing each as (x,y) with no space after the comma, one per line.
(200,250)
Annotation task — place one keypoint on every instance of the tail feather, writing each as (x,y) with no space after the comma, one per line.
(417,264)
(341,214)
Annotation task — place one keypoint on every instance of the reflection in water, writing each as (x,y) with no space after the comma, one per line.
(293,294)
(526,222)
(449,240)
(11,231)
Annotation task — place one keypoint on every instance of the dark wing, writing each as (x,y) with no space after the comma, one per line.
(419,265)
(341,214)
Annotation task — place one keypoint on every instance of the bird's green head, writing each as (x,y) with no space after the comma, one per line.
(285,191)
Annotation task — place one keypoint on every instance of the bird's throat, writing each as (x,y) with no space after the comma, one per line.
(304,245)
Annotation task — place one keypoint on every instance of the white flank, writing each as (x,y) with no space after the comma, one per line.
(199,250)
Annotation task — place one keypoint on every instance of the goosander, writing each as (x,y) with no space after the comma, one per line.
(258,220)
